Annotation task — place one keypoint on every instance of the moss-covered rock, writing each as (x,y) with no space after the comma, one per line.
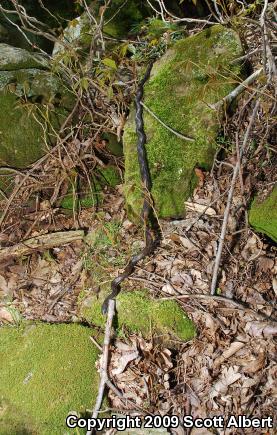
(12,58)
(137,312)
(263,215)
(46,372)
(33,103)
(195,72)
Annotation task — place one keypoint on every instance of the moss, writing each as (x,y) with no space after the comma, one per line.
(263,215)
(139,313)
(29,99)
(112,144)
(49,370)
(108,176)
(195,72)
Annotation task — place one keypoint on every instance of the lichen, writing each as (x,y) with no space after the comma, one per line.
(13,58)
(263,215)
(137,312)
(194,73)
(48,371)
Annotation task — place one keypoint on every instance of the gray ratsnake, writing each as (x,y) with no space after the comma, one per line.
(151,226)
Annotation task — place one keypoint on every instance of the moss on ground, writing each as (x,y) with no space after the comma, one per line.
(46,371)
(108,176)
(263,215)
(137,312)
(195,72)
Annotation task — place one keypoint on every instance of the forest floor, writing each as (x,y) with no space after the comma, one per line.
(230,367)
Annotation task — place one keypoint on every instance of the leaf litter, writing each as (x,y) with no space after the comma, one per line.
(230,367)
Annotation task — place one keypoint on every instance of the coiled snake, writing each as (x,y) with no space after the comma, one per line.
(151,227)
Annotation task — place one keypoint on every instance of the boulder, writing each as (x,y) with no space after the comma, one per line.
(194,73)
(13,58)
(137,312)
(33,101)
(47,372)
(263,214)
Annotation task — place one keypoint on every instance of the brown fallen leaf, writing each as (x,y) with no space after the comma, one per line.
(261,329)
(229,376)
(6,316)
(123,361)
(234,347)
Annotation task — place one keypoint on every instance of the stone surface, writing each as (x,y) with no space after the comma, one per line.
(138,313)
(13,58)
(195,72)
(32,101)
(46,372)
(263,215)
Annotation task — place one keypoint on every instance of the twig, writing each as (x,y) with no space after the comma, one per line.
(239,305)
(46,241)
(229,201)
(96,344)
(172,130)
(238,90)
(175,19)
(269,62)
(27,175)
(104,360)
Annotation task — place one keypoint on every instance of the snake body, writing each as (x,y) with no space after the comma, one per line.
(151,227)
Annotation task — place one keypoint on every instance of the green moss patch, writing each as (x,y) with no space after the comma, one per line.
(195,72)
(137,312)
(263,215)
(91,195)
(33,103)
(46,371)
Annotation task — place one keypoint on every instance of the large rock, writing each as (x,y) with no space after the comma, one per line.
(32,101)
(263,215)
(195,72)
(12,58)
(46,372)
(138,313)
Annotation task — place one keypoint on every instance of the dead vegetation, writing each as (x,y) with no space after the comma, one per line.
(220,271)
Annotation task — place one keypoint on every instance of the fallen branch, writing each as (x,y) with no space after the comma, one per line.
(27,175)
(46,241)
(104,379)
(239,305)
(238,90)
(229,201)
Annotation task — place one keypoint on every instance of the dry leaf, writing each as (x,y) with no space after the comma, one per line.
(123,361)
(6,316)
(200,208)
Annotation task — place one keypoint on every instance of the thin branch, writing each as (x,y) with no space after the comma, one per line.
(175,19)
(172,130)
(229,201)
(239,305)
(238,90)
(104,361)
